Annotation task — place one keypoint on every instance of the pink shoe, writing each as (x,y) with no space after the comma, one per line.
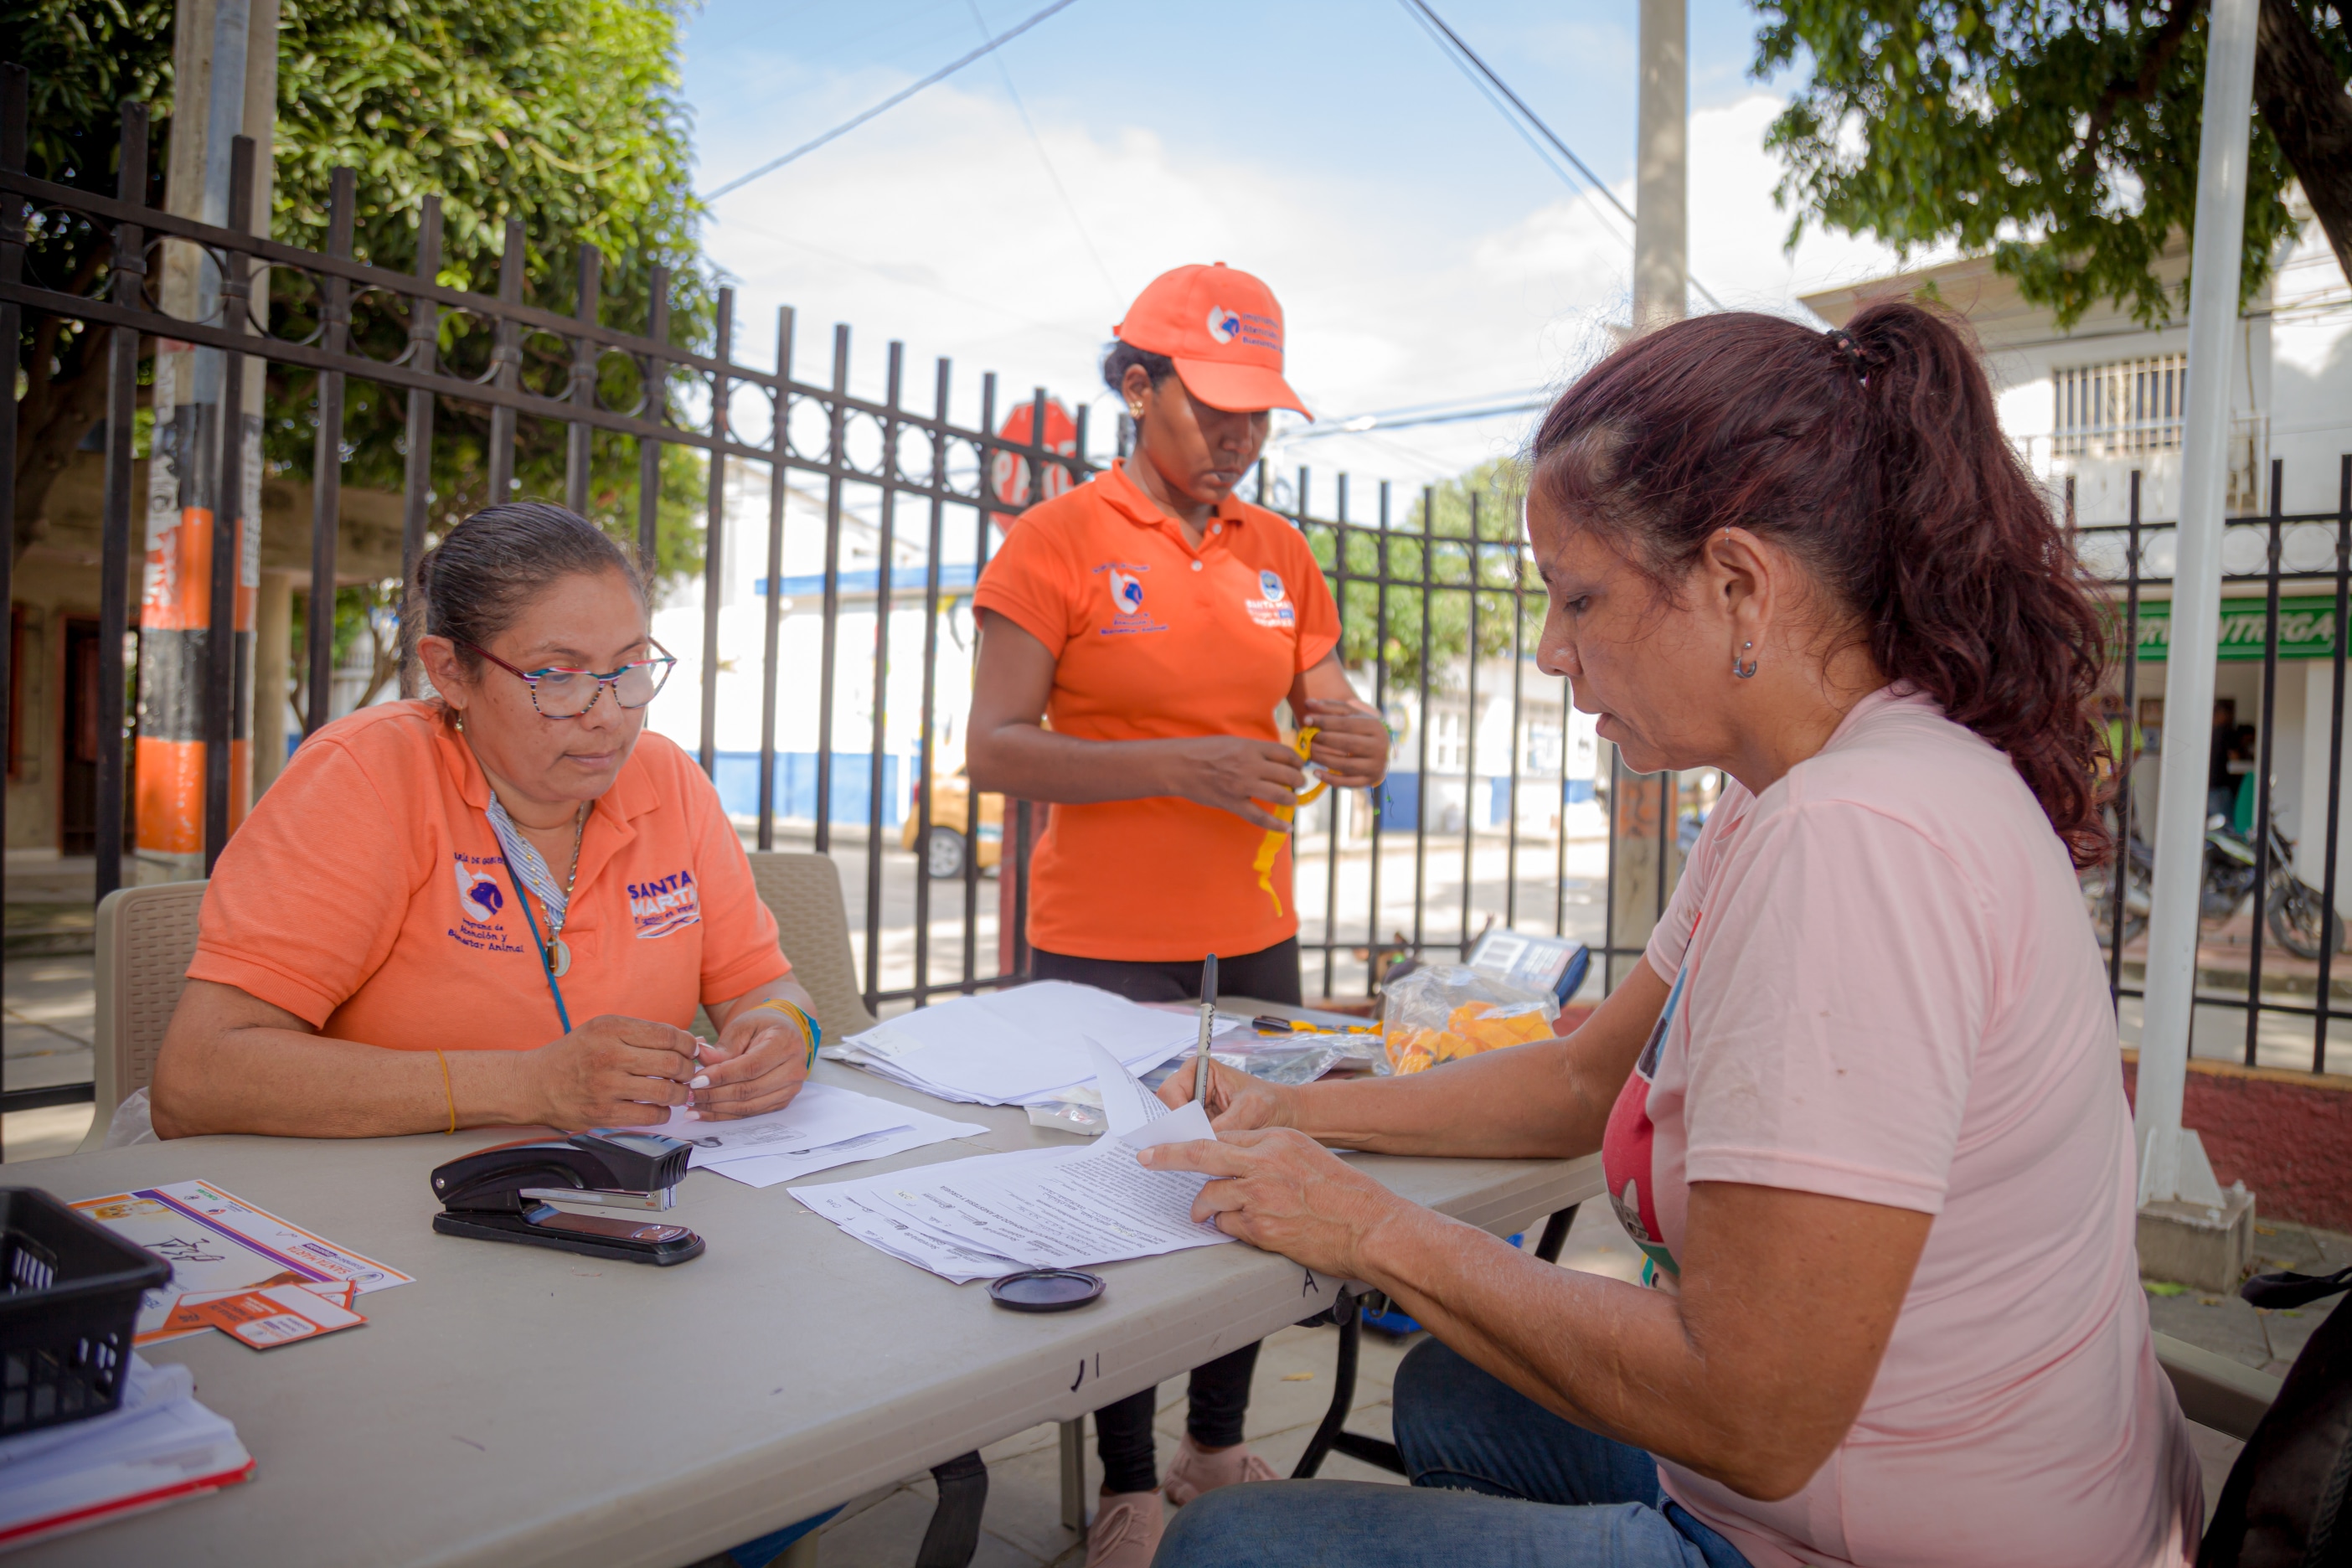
(1195,1472)
(1126,1530)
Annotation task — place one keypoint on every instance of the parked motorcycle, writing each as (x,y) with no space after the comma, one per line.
(2294,910)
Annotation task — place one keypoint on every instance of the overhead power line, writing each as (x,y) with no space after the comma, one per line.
(896,99)
(1455,40)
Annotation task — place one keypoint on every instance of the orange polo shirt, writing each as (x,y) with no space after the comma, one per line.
(1154,640)
(366,895)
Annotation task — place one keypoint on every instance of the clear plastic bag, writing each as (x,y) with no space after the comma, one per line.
(1443,1012)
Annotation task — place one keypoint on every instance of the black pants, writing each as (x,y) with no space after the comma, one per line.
(1220,1390)
(1271,975)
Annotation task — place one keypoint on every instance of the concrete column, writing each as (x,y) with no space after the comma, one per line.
(2172,1164)
(1661,162)
(225,66)
(273,636)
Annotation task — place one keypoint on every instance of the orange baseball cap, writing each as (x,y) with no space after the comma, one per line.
(1223,330)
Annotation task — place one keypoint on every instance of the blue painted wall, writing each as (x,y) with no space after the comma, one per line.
(796,792)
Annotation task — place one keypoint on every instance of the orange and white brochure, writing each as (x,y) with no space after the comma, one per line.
(265,1316)
(217,1243)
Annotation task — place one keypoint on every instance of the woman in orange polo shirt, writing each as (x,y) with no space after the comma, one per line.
(499,907)
(1159,623)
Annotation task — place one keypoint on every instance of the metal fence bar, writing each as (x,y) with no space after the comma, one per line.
(836,458)
(982,533)
(926,733)
(220,637)
(2262,825)
(772,609)
(327,465)
(1470,738)
(2127,748)
(129,266)
(2330,924)
(881,738)
(506,360)
(1331,801)
(576,453)
(654,381)
(1376,950)
(1420,731)
(714,544)
(416,481)
(1519,693)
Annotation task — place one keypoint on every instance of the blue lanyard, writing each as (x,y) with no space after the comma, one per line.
(546,965)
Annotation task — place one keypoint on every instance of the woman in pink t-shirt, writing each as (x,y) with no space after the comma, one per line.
(1861,1106)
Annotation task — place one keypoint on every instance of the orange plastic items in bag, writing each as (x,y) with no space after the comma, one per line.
(1470,1028)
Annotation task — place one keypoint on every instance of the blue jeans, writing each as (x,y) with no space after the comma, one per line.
(1498,1480)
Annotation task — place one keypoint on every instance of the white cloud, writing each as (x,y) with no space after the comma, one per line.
(938,225)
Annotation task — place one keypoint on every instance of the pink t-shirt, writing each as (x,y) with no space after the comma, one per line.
(1884,989)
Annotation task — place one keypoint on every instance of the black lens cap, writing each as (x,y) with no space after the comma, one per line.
(1045,1290)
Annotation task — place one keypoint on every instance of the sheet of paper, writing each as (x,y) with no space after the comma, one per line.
(820,1117)
(1126,1104)
(962,1218)
(771,1170)
(215,1242)
(1015,1046)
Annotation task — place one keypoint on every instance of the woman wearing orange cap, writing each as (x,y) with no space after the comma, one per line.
(1159,622)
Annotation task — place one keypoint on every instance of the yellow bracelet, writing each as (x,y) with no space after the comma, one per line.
(799,1015)
(447,1091)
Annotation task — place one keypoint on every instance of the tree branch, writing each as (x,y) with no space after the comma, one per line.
(2163,44)
(2303,102)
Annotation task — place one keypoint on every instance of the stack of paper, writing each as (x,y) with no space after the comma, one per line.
(1037,1209)
(158,1447)
(1016,1046)
(822,1128)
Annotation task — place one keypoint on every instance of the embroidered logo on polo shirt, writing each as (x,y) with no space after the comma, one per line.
(657,909)
(481,901)
(478,894)
(1274,609)
(1126,586)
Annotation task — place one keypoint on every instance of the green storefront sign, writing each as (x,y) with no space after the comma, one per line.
(2306,627)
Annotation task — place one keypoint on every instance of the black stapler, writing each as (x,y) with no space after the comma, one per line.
(500,1194)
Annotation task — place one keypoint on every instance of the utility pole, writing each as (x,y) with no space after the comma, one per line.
(224,63)
(2183,1210)
(1641,806)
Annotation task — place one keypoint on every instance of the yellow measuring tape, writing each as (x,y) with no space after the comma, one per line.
(1272,846)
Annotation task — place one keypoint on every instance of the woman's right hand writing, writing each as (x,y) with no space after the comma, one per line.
(1237,1102)
(1235,775)
(611,1071)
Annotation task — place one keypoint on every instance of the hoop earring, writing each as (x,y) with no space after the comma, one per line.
(1744,671)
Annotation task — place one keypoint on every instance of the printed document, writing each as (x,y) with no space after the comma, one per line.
(823,1127)
(1037,1209)
(1016,1046)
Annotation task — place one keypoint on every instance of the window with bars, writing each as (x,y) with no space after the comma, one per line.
(2128,406)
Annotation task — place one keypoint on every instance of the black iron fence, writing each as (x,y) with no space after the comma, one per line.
(1434,602)
(2269,938)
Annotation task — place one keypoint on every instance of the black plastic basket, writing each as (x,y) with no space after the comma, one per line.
(71,1304)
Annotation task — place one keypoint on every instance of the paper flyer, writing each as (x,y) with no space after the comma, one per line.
(215,1242)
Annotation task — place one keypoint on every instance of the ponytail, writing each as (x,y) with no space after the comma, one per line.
(1874,456)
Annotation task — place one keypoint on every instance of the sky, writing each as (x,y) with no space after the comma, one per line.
(1423,254)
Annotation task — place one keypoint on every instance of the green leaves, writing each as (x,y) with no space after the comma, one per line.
(2060,135)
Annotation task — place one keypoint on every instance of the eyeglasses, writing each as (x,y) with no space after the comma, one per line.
(560,693)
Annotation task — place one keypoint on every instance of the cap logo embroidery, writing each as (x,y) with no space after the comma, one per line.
(1224,326)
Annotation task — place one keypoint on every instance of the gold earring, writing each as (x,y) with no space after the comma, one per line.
(1135,410)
